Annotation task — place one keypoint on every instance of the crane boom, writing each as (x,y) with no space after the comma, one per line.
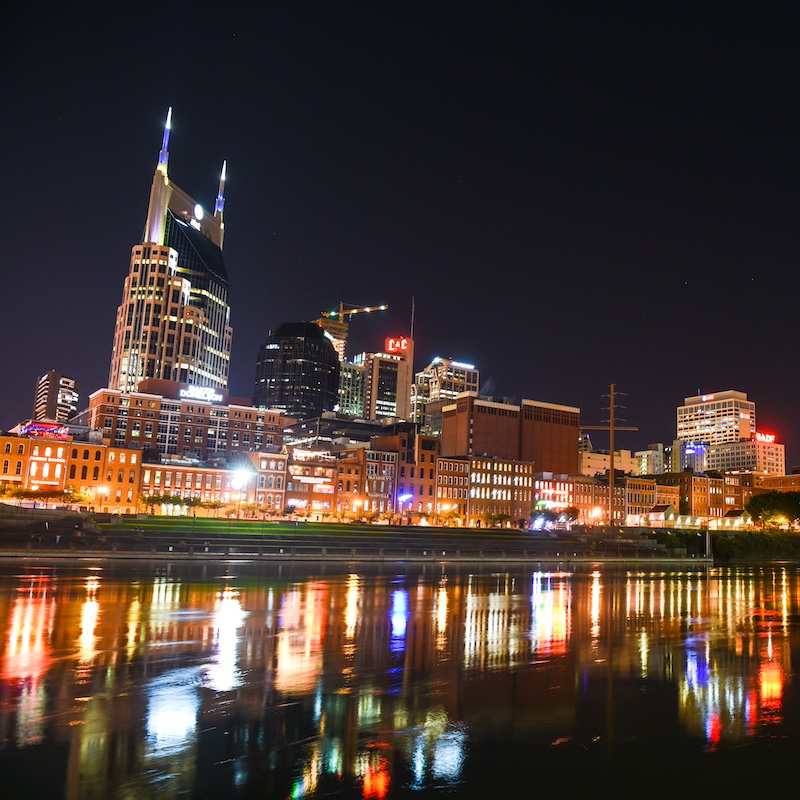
(342,311)
(337,323)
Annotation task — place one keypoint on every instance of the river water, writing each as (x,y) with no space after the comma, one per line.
(232,680)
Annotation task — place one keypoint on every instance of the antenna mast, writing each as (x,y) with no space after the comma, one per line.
(611,427)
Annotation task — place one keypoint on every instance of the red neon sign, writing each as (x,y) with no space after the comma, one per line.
(769,438)
(398,345)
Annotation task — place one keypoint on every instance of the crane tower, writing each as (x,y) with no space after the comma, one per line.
(337,323)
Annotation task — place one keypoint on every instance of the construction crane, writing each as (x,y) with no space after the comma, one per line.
(337,323)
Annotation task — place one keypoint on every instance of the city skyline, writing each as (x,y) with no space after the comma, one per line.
(570,204)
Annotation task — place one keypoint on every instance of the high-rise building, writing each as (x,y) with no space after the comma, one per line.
(387,385)
(174,319)
(437,385)
(298,371)
(716,418)
(56,397)
(762,454)
(544,434)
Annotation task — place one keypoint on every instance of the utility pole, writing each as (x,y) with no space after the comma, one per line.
(611,427)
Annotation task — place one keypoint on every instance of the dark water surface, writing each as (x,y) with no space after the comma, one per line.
(122,680)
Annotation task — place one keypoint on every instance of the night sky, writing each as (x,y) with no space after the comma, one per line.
(568,197)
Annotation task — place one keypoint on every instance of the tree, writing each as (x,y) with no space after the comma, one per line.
(772,508)
(149,501)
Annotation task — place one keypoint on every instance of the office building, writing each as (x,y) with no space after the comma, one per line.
(763,455)
(168,420)
(387,380)
(716,418)
(297,371)
(56,397)
(174,319)
(543,434)
(438,385)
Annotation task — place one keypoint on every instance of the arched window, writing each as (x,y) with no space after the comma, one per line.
(120,476)
(48,451)
(35,450)
(122,458)
(74,452)
(110,455)
(8,447)
(34,466)
(95,473)
(97,455)
(60,452)
(84,472)
(72,471)
(5,467)
(20,450)
(85,455)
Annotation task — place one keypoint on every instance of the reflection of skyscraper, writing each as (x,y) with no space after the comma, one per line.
(174,320)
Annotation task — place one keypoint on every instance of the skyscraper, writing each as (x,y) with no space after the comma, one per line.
(297,370)
(716,418)
(56,397)
(174,319)
(438,385)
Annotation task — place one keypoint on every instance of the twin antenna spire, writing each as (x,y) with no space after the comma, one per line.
(163,161)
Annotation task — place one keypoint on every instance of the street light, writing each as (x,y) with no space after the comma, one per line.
(239,484)
(402,499)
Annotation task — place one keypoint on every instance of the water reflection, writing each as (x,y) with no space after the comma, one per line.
(183,682)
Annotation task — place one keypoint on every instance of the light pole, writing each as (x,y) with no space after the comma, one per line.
(405,498)
(239,483)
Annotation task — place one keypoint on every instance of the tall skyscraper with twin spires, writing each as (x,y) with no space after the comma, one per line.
(174,319)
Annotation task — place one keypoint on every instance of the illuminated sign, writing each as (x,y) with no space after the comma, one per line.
(206,393)
(706,397)
(769,438)
(50,430)
(399,345)
(312,455)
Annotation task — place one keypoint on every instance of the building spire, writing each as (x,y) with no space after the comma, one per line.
(163,156)
(220,203)
(160,192)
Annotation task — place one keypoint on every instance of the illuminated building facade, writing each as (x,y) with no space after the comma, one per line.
(366,483)
(351,389)
(596,462)
(298,371)
(650,461)
(270,482)
(440,383)
(56,397)
(43,456)
(452,488)
(417,457)
(387,380)
(716,418)
(500,491)
(174,319)
(762,454)
(311,480)
(544,434)
(166,420)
